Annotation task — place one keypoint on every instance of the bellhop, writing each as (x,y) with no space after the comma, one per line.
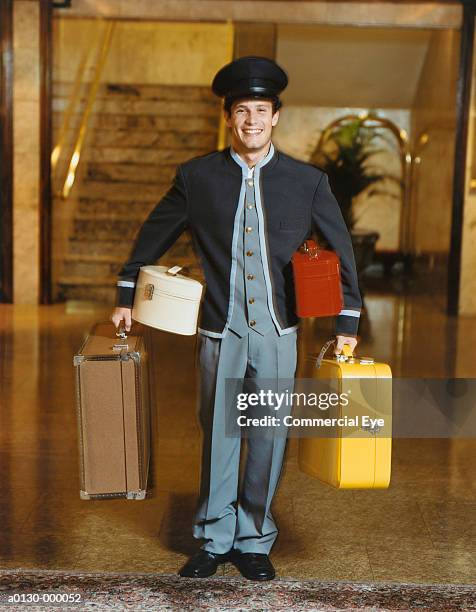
(249,208)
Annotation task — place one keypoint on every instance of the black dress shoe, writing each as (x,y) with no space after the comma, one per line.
(203,564)
(254,566)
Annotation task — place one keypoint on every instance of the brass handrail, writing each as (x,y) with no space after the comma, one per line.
(55,154)
(71,175)
(221,140)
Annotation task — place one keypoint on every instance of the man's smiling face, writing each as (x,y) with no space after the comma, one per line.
(251,122)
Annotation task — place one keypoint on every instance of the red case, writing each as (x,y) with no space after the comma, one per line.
(317,281)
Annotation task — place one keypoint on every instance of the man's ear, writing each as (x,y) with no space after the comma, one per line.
(227,117)
(275,118)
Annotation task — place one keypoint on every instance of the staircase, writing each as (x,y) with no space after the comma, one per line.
(137,136)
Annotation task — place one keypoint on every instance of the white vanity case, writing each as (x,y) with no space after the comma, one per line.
(167,300)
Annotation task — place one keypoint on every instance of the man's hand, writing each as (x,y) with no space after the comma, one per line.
(122,314)
(341,340)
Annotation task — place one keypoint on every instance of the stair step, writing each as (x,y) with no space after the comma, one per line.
(144,192)
(130,106)
(141,155)
(146,122)
(94,258)
(168,160)
(102,229)
(90,269)
(153,174)
(111,217)
(88,238)
(171,142)
(102,208)
(119,247)
(96,281)
(162,147)
(144,91)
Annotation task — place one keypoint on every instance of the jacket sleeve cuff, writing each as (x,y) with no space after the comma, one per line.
(347,322)
(125,291)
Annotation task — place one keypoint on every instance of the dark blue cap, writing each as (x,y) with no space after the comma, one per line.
(250,76)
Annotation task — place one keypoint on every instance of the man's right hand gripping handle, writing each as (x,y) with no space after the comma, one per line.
(122,314)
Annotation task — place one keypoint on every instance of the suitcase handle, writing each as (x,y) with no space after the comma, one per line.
(121,331)
(346,352)
(310,248)
(174,269)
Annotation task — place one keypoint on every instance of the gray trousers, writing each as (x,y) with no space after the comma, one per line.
(227,517)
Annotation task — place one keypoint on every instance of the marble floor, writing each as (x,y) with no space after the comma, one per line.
(421,529)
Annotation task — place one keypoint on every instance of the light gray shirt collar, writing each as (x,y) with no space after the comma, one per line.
(247,171)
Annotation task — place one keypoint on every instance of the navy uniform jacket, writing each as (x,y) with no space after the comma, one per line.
(295,198)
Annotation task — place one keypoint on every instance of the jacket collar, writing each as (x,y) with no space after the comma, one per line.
(239,167)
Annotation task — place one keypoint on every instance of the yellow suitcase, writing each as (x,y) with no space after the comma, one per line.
(359,459)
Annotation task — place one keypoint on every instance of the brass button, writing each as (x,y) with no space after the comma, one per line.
(248,230)
(249,253)
(250,182)
(252,322)
(250,276)
(251,301)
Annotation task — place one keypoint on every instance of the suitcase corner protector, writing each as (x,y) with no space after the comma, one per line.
(134,355)
(77,359)
(140,494)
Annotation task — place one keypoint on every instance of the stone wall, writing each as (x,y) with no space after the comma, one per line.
(433,114)
(26,161)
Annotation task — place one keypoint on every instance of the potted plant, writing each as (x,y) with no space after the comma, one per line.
(345,155)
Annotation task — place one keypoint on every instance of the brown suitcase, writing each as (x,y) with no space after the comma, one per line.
(113,414)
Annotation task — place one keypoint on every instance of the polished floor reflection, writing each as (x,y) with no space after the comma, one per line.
(422,529)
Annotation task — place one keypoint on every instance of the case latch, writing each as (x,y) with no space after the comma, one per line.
(148,291)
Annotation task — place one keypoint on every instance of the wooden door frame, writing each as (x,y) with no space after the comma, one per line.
(463,106)
(6,151)
(46,116)
(463,103)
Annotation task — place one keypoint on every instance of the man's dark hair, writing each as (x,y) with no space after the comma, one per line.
(228,102)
